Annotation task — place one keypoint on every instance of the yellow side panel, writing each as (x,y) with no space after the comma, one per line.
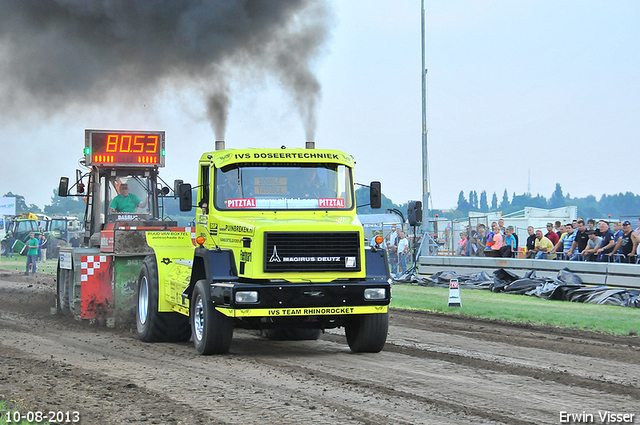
(174,254)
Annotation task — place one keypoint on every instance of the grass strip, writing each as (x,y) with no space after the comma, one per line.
(521,308)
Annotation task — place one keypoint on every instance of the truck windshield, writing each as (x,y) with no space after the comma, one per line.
(284,187)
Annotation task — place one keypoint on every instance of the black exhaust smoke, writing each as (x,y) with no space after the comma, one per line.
(59,54)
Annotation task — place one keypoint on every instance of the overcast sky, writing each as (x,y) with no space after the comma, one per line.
(514,87)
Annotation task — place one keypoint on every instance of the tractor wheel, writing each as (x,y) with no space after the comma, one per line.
(3,249)
(211,330)
(367,333)
(153,325)
(63,295)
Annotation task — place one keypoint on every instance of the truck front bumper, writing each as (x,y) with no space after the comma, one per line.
(287,299)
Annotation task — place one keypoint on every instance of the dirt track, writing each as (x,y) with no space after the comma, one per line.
(434,369)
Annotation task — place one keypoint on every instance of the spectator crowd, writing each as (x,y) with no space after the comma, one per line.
(575,241)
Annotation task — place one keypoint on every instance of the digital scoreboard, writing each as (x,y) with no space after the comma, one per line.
(124,148)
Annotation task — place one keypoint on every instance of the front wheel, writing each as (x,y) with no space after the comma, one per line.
(367,333)
(152,325)
(211,330)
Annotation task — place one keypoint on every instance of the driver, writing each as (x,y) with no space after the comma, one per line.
(126,202)
(310,185)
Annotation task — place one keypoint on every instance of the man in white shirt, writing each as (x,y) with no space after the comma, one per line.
(403,252)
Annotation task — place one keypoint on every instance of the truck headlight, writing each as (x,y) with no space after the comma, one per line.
(375,294)
(246,297)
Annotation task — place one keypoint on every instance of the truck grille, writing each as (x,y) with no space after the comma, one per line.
(312,251)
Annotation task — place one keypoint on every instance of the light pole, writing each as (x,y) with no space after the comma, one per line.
(425,155)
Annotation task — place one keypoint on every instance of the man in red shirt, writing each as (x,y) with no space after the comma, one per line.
(552,235)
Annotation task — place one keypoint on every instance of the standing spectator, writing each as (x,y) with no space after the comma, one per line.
(462,245)
(579,243)
(509,246)
(627,244)
(607,243)
(566,241)
(32,254)
(497,241)
(403,252)
(617,230)
(559,228)
(501,226)
(490,234)
(43,249)
(591,225)
(373,242)
(531,243)
(75,241)
(543,246)
(10,241)
(392,249)
(551,234)
(592,246)
(478,240)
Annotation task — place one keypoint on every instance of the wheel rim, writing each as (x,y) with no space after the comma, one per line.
(198,318)
(143,300)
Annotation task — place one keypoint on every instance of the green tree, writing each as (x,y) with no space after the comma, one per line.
(65,206)
(484,205)
(473,199)
(557,198)
(494,202)
(463,205)
(504,204)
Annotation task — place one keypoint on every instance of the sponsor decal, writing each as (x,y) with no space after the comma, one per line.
(275,258)
(331,203)
(245,256)
(306,311)
(241,203)
(236,229)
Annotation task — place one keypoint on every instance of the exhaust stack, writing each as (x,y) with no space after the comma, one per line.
(220,145)
(310,145)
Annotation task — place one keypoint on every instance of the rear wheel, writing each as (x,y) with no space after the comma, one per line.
(151,324)
(367,333)
(211,330)
(62,290)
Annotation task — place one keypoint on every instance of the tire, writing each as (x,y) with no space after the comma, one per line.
(63,295)
(293,334)
(70,283)
(154,326)
(367,333)
(211,330)
(3,249)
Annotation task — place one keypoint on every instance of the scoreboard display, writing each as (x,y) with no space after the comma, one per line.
(124,148)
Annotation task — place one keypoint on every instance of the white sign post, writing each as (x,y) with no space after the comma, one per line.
(454,294)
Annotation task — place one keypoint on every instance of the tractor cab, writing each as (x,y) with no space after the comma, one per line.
(121,185)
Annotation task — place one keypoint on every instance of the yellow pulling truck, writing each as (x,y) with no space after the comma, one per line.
(278,248)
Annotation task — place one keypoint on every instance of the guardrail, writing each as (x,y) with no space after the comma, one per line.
(609,274)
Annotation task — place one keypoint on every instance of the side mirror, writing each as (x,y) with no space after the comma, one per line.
(375,195)
(184,193)
(63,187)
(414,213)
